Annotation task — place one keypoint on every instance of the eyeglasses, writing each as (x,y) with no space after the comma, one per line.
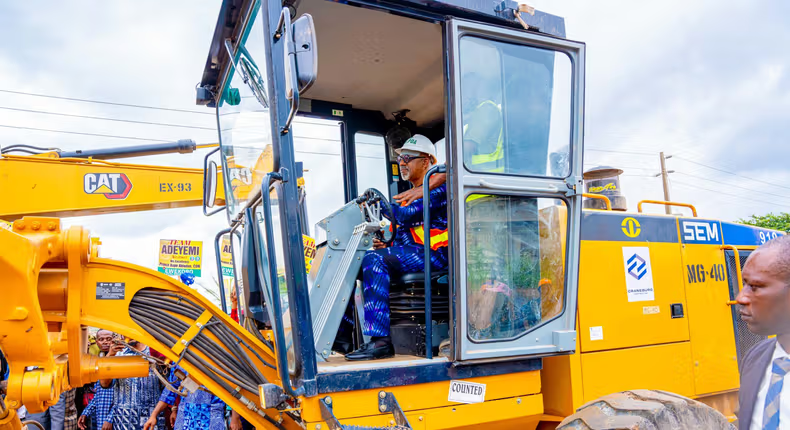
(406,159)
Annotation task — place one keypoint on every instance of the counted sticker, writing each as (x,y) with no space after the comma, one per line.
(596,333)
(466,392)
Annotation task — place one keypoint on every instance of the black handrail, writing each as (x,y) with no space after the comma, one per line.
(426,229)
(229,230)
(279,334)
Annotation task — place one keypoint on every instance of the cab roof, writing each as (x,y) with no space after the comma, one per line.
(230,24)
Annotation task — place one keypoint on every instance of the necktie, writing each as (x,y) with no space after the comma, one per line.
(779,369)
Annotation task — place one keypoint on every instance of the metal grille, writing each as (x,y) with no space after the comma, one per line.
(744,339)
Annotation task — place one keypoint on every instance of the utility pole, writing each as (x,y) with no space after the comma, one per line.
(665,180)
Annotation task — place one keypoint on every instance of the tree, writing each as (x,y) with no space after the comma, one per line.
(780,221)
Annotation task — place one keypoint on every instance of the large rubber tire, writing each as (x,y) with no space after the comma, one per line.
(645,410)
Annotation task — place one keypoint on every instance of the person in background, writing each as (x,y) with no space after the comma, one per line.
(764,302)
(234,304)
(61,416)
(133,398)
(98,400)
(199,410)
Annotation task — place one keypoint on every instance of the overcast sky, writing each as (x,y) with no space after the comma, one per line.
(704,81)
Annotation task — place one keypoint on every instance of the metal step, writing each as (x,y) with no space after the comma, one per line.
(387,403)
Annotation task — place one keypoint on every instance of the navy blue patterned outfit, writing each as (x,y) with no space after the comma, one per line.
(200,410)
(134,399)
(405,255)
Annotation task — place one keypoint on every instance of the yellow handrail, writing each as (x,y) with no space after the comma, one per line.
(599,197)
(737,271)
(661,202)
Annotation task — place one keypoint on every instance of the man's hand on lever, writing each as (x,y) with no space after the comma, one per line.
(407,197)
(377,244)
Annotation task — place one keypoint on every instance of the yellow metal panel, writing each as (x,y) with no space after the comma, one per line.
(522,413)
(361,403)
(660,367)
(603,300)
(561,379)
(710,319)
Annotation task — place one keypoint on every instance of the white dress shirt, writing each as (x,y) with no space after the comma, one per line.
(784,400)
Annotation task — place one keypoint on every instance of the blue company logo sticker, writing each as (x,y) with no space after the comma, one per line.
(637,266)
(700,231)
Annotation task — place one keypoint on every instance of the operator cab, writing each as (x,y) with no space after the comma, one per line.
(504,106)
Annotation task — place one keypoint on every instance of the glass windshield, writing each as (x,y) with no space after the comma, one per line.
(516,108)
(244,122)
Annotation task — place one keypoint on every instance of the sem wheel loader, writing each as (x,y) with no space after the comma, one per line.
(607,319)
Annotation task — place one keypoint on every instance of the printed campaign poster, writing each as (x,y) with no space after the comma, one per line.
(180,256)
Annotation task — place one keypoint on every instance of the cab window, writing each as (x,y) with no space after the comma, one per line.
(371,158)
(516,104)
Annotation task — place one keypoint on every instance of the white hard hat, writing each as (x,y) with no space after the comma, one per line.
(419,143)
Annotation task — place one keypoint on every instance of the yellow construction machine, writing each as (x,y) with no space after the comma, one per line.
(598,315)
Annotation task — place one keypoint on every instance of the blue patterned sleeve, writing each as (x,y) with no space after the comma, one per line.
(411,215)
(88,411)
(168,396)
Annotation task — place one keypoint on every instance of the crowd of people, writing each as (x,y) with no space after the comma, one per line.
(143,403)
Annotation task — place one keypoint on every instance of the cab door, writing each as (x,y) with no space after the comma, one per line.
(515,166)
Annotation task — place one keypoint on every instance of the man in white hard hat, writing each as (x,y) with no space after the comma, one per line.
(406,255)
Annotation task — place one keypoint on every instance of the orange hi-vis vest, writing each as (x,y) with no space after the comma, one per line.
(438,237)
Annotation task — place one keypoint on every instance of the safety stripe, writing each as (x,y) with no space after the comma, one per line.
(439,238)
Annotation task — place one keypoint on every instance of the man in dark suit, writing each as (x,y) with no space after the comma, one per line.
(765,307)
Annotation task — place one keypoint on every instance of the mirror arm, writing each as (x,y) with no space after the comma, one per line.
(282,27)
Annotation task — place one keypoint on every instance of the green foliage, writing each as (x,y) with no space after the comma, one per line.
(780,221)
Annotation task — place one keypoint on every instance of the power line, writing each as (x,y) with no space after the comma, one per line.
(730,173)
(719,192)
(105,102)
(83,134)
(619,152)
(732,185)
(107,119)
(336,154)
(621,167)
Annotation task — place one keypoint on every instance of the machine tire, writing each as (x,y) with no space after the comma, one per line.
(645,410)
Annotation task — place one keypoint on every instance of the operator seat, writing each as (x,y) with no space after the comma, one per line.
(407,308)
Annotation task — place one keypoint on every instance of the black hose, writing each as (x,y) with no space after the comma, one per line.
(169,305)
(24,151)
(38,148)
(223,357)
(201,365)
(197,359)
(237,374)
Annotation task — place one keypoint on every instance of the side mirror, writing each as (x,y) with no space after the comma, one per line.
(210,185)
(306,51)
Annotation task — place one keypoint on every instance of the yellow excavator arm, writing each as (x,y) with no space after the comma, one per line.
(54,287)
(63,187)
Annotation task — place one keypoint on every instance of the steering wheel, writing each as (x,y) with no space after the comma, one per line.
(372,202)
